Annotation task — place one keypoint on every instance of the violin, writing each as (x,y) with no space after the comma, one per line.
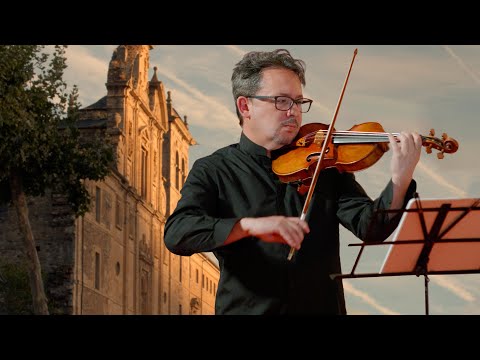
(352,150)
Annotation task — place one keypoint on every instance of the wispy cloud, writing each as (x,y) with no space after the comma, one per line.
(88,70)
(236,50)
(462,64)
(454,286)
(440,180)
(349,288)
(217,115)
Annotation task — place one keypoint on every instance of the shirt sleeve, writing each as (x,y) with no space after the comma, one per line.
(195,226)
(363,216)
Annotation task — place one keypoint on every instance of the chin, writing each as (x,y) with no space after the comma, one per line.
(284,140)
(290,135)
(286,135)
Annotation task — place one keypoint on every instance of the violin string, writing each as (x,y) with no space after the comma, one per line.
(348,133)
(352,135)
(361,137)
(357,133)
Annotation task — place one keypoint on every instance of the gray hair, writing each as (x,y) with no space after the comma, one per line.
(247,73)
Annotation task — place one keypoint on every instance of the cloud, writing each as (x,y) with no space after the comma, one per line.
(87,71)
(367,299)
(208,111)
(454,286)
(462,64)
(236,50)
(440,180)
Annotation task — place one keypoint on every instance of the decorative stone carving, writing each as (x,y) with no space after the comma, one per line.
(195,306)
(145,251)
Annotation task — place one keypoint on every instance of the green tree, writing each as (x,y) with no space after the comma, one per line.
(40,147)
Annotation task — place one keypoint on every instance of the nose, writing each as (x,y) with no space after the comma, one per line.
(295,108)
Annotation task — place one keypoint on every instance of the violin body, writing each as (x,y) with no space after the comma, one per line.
(298,160)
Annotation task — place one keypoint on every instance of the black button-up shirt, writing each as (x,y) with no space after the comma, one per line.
(255,276)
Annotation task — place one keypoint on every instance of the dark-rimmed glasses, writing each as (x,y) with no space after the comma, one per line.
(284,103)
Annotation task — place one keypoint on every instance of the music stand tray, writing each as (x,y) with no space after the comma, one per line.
(444,255)
(434,236)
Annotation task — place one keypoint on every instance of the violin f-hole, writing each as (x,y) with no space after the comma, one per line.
(311,156)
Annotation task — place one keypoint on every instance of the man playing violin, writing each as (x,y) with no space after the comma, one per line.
(235,206)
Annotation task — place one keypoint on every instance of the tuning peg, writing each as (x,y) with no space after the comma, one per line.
(440,155)
(432,132)
(428,149)
(444,136)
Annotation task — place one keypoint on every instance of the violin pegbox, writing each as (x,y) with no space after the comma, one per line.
(440,155)
(428,148)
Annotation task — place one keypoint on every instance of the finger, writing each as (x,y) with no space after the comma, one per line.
(297,234)
(290,236)
(298,229)
(418,140)
(393,141)
(414,142)
(303,226)
(408,141)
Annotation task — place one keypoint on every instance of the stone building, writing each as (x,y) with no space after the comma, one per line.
(113,259)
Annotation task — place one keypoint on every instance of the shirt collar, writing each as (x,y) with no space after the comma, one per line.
(250,147)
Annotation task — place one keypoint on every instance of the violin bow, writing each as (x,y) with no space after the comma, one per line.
(303,216)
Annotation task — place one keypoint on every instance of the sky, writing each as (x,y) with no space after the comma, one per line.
(402,87)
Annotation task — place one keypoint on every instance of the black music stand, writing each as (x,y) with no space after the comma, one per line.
(434,236)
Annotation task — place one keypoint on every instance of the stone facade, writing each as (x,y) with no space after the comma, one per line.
(113,259)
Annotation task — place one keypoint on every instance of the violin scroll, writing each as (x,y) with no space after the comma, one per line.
(445,145)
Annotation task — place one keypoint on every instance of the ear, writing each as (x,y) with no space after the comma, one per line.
(243,106)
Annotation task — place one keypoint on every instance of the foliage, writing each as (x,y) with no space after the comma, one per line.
(38,137)
(15,294)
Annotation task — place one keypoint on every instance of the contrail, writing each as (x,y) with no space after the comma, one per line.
(462,64)
(367,299)
(452,285)
(212,102)
(441,181)
(236,50)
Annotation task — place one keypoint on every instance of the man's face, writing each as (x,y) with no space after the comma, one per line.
(265,124)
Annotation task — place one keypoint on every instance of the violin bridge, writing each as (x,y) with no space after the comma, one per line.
(319,137)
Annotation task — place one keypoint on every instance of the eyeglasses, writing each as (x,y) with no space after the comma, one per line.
(285,103)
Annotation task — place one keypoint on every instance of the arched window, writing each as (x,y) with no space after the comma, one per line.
(144,173)
(184,172)
(177,171)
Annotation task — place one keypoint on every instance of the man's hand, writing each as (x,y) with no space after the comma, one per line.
(274,229)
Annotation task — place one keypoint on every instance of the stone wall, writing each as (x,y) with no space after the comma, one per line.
(53,224)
